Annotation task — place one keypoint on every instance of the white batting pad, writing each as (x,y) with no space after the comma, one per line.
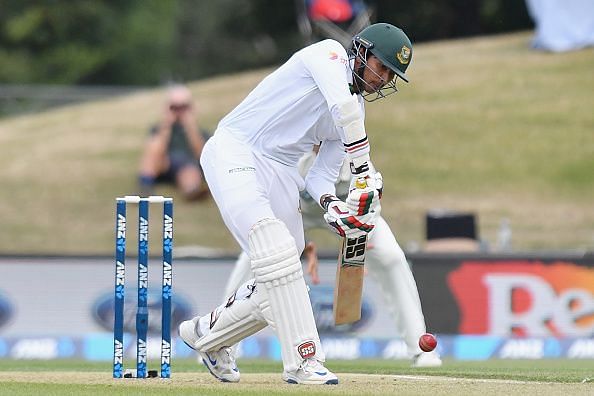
(241,316)
(277,268)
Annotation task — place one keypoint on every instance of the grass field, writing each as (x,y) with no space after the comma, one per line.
(495,377)
(486,125)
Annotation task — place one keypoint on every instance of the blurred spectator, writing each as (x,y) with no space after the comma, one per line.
(173,149)
(336,19)
(333,10)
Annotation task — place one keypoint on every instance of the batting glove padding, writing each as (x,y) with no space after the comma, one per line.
(347,223)
(361,201)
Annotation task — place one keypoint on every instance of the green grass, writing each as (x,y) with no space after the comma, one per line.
(357,377)
(553,370)
(486,125)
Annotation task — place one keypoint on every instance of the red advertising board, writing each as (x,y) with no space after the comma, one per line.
(507,296)
(524,298)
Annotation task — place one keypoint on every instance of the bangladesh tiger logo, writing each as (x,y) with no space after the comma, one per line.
(404,55)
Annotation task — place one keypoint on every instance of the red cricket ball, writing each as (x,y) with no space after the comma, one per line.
(427,342)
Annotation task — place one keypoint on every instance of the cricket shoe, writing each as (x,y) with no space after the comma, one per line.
(221,363)
(311,372)
(427,359)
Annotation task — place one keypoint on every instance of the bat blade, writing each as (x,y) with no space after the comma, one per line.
(349,280)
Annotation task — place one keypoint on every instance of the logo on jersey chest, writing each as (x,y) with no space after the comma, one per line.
(242,169)
(334,56)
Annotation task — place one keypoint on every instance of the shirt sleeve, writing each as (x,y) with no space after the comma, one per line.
(328,65)
(324,172)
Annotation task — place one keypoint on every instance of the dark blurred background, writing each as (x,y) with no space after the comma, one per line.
(147,42)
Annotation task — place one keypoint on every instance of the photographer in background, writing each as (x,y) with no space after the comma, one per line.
(173,149)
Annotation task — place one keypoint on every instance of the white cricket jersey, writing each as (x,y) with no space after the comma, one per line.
(294,108)
(311,212)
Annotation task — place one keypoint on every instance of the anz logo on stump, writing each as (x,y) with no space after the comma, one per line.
(103,312)
(322,302)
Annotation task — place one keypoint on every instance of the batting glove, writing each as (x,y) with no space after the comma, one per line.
(365,200)
(346,223)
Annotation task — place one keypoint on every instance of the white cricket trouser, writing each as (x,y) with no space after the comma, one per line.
(242,272)
(259,201)
(248,187)
(388,266)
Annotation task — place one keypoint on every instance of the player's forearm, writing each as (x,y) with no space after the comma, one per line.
(318,187)
(325,170)
(349,117)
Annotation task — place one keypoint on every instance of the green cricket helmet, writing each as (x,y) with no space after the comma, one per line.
(389,44)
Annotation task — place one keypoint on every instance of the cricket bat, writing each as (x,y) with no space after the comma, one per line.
(349,276)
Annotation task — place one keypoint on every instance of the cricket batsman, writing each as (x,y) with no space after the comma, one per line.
(250,165)
(385,262)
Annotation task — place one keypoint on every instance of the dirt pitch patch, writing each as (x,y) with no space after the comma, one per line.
(350,384)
